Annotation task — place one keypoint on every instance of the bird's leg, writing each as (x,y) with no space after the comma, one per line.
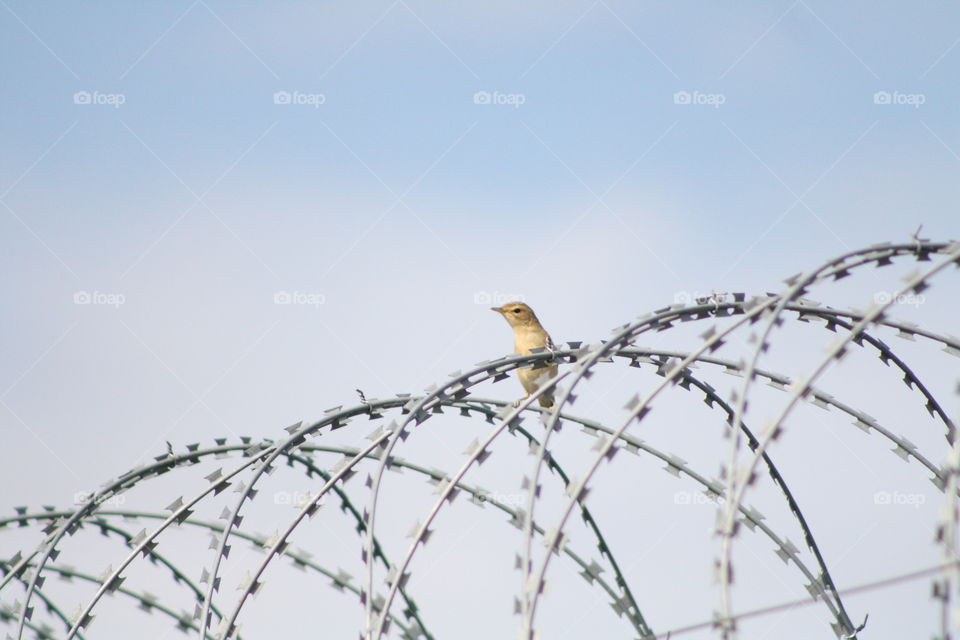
(516,403)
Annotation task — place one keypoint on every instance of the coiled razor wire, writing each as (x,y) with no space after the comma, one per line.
(28,569)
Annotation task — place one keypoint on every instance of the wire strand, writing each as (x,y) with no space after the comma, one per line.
(869,586)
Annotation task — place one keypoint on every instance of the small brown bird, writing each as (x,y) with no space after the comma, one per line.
(529,334)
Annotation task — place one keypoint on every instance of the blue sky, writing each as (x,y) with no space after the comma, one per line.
(396,196)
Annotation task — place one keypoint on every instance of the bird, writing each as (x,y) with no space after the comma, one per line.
(529,334)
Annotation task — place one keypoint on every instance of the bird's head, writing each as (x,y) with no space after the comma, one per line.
(517,314)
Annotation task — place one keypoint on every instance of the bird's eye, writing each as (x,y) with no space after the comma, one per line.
(517,310)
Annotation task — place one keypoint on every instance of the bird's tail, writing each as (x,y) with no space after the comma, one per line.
(546,400)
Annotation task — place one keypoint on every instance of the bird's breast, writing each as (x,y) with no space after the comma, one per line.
(527,339)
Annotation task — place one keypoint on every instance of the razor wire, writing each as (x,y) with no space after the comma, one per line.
(674,367)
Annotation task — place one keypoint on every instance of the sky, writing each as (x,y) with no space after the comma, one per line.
(218,219)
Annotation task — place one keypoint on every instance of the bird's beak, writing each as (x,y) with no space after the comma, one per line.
(497,309)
